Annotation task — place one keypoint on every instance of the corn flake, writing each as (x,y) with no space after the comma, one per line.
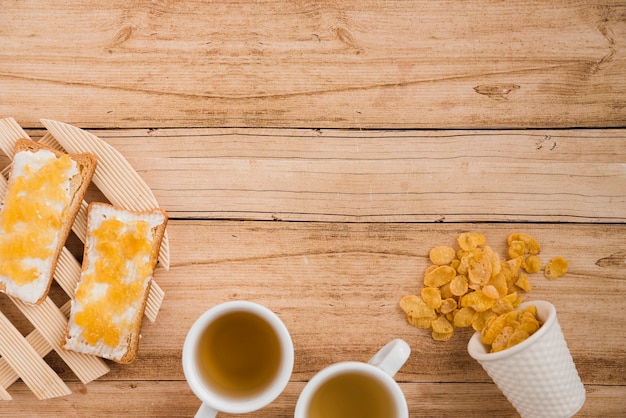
(556,268)
(464,317)
(523,282)
(496,263)
(532,264)
(529,324)
(490,291)
(517,337)
(441,325)
(432,297)
(439,276)
(481,319)
(415,307)
(531,245)
(477,301)
(513,265)
(499,281)
(502,339)
(442,255)
(479,271)
(448,305)
(445,291)
(502,306)
(459,285)
(517,248)
(471,240)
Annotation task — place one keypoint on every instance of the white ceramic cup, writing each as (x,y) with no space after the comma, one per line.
(538,375)
(206,385)
(379,370)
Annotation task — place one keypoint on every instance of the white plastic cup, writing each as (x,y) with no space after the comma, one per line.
(380,369)
(538,375)
(215,400)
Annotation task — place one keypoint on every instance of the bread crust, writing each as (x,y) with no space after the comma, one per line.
(86,164)
(134,328)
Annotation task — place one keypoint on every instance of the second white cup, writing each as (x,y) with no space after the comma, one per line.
(356,389)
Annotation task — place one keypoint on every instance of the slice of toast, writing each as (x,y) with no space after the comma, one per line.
(120,256)
(45,190)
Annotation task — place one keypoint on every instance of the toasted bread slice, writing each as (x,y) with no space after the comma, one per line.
(120,256)
(44,194)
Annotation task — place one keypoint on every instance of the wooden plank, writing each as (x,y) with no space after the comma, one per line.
(382,176)
(174,398)
(352,276)
(335,64)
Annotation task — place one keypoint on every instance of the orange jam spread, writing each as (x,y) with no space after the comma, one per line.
(35,204)
(121,267)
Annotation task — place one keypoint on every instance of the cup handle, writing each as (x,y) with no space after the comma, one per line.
(205,411)
(391,357)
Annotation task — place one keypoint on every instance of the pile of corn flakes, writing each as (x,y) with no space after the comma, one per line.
(473,287)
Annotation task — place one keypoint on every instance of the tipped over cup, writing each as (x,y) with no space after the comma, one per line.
(538,376)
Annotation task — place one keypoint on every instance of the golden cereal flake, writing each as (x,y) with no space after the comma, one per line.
(556,268)
(442,255)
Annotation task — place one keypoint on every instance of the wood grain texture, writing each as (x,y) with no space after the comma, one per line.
(426,400)
(310,153)
(381,176)
(352,275)
(335,64)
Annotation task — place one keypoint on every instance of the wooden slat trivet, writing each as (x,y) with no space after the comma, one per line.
(51,323)
(22,357)
(8,376)
(10,132)
(25,355)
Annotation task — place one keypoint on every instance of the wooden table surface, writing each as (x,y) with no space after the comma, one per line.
(310,153)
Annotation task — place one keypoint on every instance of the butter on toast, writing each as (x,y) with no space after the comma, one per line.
(120,256)
(44,194)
